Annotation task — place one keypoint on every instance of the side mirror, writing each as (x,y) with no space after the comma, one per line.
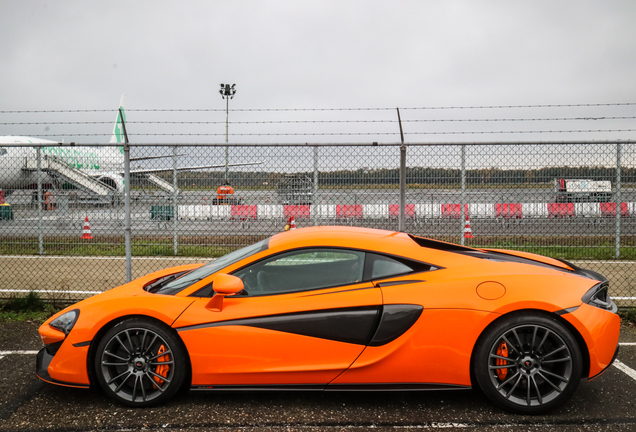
(224,285)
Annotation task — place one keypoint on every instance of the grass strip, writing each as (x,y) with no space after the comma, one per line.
(30,307)
(563,247)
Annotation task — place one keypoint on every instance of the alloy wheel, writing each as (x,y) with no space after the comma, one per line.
(137,365)
(530,365)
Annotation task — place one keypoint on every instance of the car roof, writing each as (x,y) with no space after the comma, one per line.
(389,242)
(345,235)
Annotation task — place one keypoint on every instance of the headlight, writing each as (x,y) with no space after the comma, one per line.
(598,296)
(66,321)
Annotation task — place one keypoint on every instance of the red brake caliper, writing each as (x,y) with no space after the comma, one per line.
(164,368)
(502,350)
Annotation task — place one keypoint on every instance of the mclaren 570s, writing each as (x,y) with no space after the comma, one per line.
(342,308)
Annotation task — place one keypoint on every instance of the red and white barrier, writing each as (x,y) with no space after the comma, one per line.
(428,211)
(511,210)
(413,211)
(610,209)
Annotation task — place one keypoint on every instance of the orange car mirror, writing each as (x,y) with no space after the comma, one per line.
(224,285)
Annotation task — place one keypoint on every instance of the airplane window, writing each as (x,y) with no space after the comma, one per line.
(3,151)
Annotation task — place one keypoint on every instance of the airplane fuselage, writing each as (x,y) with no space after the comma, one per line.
(17,164)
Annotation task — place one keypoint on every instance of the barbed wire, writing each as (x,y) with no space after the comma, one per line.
(349,133)
(582,105)
(326,121)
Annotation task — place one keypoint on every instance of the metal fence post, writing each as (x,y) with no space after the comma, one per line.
(227,163)
(315,200)
(127,229)
(462,197)
(617,200)
(175,213)
(401,216)
(39,201)
(402,227)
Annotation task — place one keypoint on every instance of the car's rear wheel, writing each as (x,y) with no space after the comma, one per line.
(140,362)
(528,363)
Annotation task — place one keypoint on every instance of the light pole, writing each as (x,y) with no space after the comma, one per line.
(227,92)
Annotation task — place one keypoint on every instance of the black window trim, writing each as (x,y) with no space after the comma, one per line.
(433,267)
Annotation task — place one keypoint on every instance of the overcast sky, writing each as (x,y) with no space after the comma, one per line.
(318,54)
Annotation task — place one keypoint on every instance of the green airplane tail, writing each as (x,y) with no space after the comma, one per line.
(118,130)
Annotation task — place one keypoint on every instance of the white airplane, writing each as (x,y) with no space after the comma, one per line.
(64,164)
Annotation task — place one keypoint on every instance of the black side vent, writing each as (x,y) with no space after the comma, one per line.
(440,245)
(504,257)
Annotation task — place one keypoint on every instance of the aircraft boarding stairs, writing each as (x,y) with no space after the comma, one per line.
(57,168)
(168,187)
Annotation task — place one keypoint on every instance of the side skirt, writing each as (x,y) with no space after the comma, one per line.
(333,387)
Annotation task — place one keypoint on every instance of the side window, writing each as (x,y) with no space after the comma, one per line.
(381,266)
(303,270)
(384,267)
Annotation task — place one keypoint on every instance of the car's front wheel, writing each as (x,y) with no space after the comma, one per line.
(140,362)
(528,363)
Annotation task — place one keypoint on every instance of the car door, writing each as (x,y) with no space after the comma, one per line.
(303,318)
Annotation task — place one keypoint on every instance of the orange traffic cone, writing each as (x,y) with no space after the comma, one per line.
(86,235)
(468,233)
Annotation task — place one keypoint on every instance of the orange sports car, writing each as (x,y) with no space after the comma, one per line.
(340,308)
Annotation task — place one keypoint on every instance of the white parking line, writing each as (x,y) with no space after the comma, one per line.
(435,425)
(27,352)
(623,367)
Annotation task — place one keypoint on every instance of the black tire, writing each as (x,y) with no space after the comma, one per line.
(140,362)
(528,363)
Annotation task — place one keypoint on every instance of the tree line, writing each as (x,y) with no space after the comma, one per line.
(443,177)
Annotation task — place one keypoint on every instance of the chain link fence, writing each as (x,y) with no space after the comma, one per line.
(63,212)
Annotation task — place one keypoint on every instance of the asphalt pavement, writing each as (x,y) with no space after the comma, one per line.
(27,404)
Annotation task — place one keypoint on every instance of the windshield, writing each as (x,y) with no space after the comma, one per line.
(194,276)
